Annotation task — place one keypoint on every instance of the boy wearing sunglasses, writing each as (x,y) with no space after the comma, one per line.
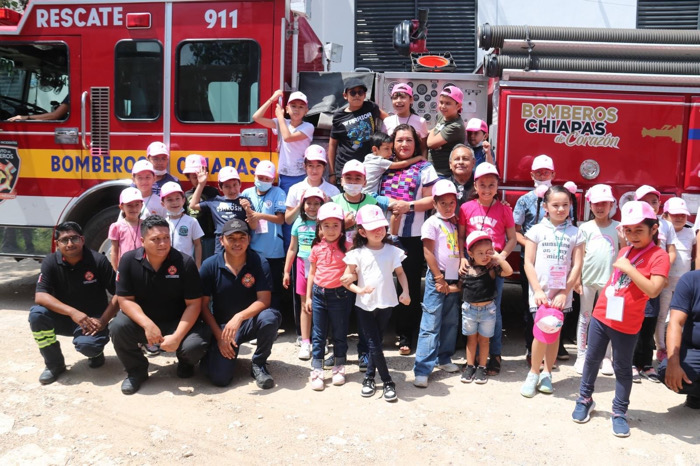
(352,126)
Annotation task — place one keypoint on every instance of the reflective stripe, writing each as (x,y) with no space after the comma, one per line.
(45,338)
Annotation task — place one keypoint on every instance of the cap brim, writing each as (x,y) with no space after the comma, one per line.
(375,224)
(544,337)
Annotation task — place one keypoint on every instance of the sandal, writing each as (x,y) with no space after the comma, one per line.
(405,350)
(494,365)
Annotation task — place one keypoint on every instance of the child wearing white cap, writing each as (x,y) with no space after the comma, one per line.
(294,134)
(185,232)
(158,154)
(144,177)
(448,130)
(676,212)
(194,163)
(477,138)
(401,101)
(125,233)
(315,161)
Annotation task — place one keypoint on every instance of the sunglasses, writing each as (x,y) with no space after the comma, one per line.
(75,239)
(353,93)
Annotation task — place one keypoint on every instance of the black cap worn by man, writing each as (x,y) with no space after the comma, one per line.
(355,82)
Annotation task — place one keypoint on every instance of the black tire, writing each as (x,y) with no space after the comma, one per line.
(97,229)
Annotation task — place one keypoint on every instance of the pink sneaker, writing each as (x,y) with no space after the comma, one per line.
(661,355)
(317,383)
(338,375)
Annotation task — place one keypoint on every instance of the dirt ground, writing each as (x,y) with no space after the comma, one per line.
(84,419)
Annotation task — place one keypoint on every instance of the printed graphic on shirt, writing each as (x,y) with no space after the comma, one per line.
(451,239)
(359,129)
(89,278)
(556,249)
(248,280)
(183,230)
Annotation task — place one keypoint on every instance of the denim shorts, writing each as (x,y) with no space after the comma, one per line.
(479,319)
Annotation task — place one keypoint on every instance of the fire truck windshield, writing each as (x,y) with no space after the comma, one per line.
(33,78)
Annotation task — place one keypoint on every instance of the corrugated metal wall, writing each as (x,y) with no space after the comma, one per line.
(668,14)
(451,28)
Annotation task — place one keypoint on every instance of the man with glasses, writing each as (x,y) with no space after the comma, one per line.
(159,293)
(71,300)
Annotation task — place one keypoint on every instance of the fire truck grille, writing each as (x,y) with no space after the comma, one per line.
(99,120)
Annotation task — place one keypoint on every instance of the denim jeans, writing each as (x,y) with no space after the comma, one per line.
(373,324)
(330,305)
(496,344)
(479,319)
(623,345)
(438,328)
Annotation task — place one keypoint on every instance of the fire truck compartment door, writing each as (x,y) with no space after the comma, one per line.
(692,160)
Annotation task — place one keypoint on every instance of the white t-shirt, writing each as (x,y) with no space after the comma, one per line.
(685,239)
(375,268)
(297,190)
(555,247)
(446,249)
(291,154)
(667,234)
(183,232)
(153,206)
(418,122)
(602,247)
(375,167)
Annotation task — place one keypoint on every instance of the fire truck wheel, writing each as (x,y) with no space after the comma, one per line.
(97,228)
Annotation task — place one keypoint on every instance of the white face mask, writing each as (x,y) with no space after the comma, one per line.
(352,189)
(444,218)
(160,172)
(547,183)
(175,213)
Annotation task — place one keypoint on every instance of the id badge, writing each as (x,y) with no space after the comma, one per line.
(615,308)
(557,277)
(262,226)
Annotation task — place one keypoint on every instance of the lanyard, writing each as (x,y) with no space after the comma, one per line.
(618,275)
(486,214)
(174,229)
(134,231)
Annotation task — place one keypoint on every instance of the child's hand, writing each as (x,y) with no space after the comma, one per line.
(348,279)
(202,176)
(463,263)
(307,305)
(279,113)
(454,288)
(286,280)
(540,298)
(486,145)
(559,300)
(405,299)
(367,290)
(578,288)
(245,203)
(423,158)
(349,219)
(623,264)
(278,93)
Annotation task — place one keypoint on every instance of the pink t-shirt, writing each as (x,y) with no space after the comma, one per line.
(329,264)
(129,237)
(494,220)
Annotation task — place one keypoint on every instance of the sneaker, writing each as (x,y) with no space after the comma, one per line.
(563,355)
(390,391)
(480,376)
(326,349)
(132,384)
(305,351)
(184,370)
(544,383)
(421,381)
(650,374)
(450,367)
(468,374)
(150,350)
(582,411)
(262,377)
(362,361)
(338,375)
(368,387)
(529,388)
(692,402)
(620,426)
(317,383)
(661,355)
(606,368)
(636,378)
(254,342)
(329,362)
(298,342)
(97,361)
(51,375)
(578,365)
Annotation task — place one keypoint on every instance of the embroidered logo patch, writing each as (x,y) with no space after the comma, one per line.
(248,280)
(89,276)
(172,270)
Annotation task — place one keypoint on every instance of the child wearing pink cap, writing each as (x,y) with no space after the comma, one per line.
(315,161)
(401,101)
(477,138)
(553,260)
(125,233)
(194,163)
(185,232)
(675,212)
(448,130)
(158,154)
(144,178)
(639,273)
(602,242)
(373,260)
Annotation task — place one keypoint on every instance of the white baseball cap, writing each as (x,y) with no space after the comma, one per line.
(643,191)
(330,210)
(265,168)
(354,166)
(542,161)
(130,195)
(635,212)
(600,193)
(676,206)
(475,236)
(142,166)
(313,192)
(485,168)
(228,173)
(169,188)
(298,96)
(443,187)
(371,217)
(157,148)
(315,153)
(194,163)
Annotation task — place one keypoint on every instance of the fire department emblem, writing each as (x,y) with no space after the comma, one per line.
(172,270)
(89,276)
(248,280)
(9,169)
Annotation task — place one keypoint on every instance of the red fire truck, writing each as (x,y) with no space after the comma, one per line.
(188,73)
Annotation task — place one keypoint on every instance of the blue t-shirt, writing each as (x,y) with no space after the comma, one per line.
(221,210)
(686,299)
(305,231)
(526,210)
(267,239)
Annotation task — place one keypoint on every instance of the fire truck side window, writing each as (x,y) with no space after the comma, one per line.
(33,78)
(217,81)
(138,89)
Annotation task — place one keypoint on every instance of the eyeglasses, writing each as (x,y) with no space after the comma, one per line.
(353,93)
(75,239)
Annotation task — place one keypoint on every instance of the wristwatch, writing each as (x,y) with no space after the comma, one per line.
(411,207)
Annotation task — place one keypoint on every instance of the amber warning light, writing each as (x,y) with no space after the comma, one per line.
(138,20)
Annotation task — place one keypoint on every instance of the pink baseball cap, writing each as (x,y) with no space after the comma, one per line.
(371,217)
(315,153)
(676,206)
(476,236)
(635,212)
(157,148)
(476,124)
(542,161)
(354,166)
(443,187)
(485,168)
(169,188)
(130,195)
(142,166)
(313,192)
(643,191)
(454,93)
(298,96)
(548,323)
(194,163)
(265,168)
(330,210)
(228,173)
(402,87)
(600,193)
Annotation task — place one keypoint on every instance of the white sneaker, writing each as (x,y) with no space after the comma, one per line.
(338,375)
(305,351)
(606,368)
(449,367)
(317,383)
(421,381)
(254,342)
(298,342)
(578,365)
